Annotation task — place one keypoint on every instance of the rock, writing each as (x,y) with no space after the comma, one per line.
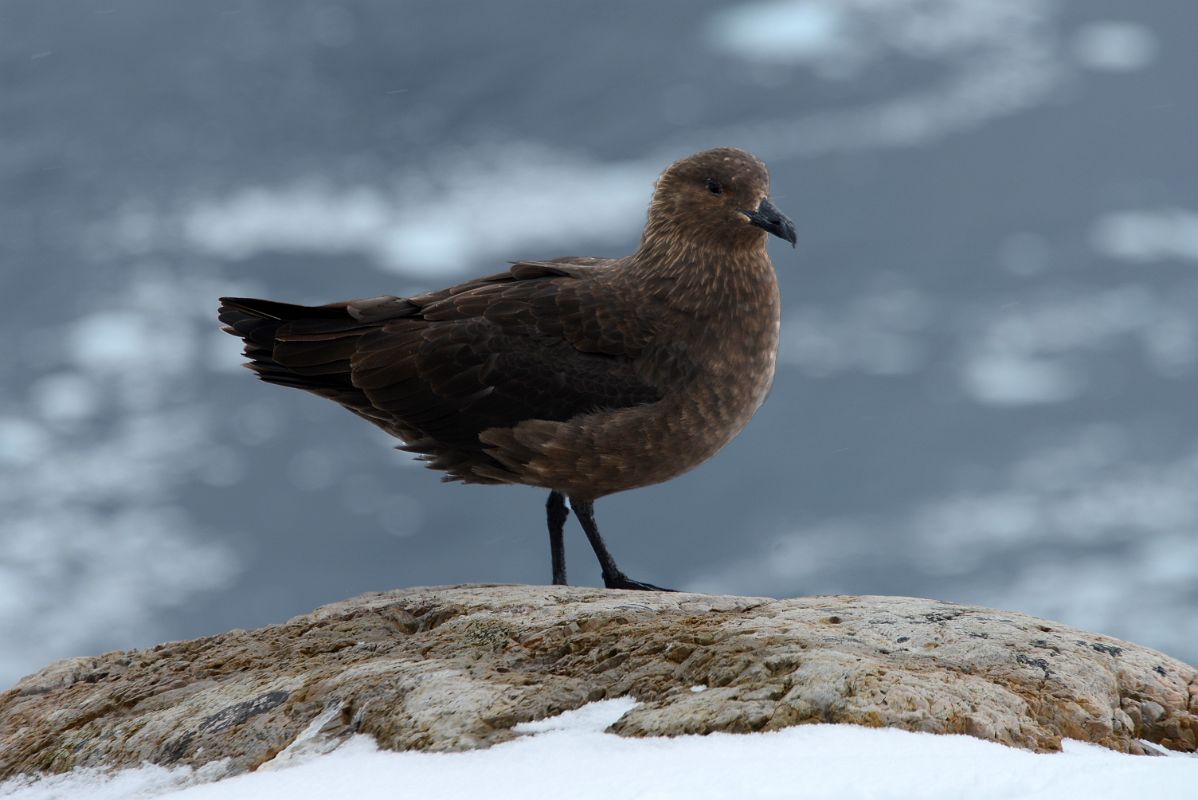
(455,668)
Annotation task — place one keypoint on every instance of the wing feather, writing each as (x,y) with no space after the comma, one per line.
(538,342)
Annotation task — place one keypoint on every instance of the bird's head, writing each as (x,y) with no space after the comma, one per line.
(717,197)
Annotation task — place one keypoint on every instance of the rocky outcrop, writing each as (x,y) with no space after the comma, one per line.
(457,667)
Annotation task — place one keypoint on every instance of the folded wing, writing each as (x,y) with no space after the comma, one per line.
(439,369)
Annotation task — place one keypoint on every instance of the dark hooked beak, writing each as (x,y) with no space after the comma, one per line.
(769,218)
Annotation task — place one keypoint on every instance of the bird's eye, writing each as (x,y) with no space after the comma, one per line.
(714,186)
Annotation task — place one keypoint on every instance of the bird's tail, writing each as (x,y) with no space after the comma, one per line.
(307,347)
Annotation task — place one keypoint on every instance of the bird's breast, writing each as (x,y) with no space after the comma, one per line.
(716,377)
(712,361)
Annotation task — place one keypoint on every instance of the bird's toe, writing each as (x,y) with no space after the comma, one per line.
(622,581)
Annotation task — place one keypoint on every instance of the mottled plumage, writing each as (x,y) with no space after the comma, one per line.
(584,376)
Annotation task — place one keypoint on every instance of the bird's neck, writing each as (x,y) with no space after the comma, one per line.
(696,275)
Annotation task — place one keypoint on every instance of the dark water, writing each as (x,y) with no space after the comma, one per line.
(986,391)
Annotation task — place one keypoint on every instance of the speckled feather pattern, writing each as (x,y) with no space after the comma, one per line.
(587,376)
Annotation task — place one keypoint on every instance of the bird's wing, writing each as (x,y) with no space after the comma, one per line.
(530,344)
(536,342)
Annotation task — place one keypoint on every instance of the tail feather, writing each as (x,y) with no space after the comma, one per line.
(304,347)
(272,309)
(361,354)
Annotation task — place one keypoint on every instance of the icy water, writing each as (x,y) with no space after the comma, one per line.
(987,386)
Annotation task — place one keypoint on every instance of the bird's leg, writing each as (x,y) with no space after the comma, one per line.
(557,512)
(613,578)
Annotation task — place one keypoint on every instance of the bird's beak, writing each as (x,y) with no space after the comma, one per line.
(769,218)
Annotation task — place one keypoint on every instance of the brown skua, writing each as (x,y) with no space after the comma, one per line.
(583,376)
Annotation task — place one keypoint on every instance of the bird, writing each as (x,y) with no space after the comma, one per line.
(583,376)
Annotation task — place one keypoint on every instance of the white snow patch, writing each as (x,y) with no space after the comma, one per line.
(593,717)
(579,761)
(309,743)
(989,59)
(21,441)
(143,783)
(789,31)
(1148,235)
(1019,353)
(89,578)
(1114,46)
(64,397)
(1029,352)
(438,220)
(93,452)
(306,216)
(466,206)
(1009,379)
(839,38)
(115,340)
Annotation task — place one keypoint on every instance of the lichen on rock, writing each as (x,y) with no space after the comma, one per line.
(455,668)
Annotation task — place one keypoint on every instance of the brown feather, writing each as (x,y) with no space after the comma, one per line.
(583,375)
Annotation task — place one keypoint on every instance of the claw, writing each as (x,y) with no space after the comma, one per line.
(622,581)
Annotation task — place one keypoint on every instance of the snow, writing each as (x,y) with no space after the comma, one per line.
(1030,352)
(94,443)
(570,756)
(436,220)
(781,31)
(1148,235)
(64,397)
(986,59)
(1114,46)
(1008,379)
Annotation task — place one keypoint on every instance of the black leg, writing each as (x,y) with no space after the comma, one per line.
(613,578)
(557,512)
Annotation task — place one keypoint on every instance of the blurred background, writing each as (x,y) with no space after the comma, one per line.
(986,391)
